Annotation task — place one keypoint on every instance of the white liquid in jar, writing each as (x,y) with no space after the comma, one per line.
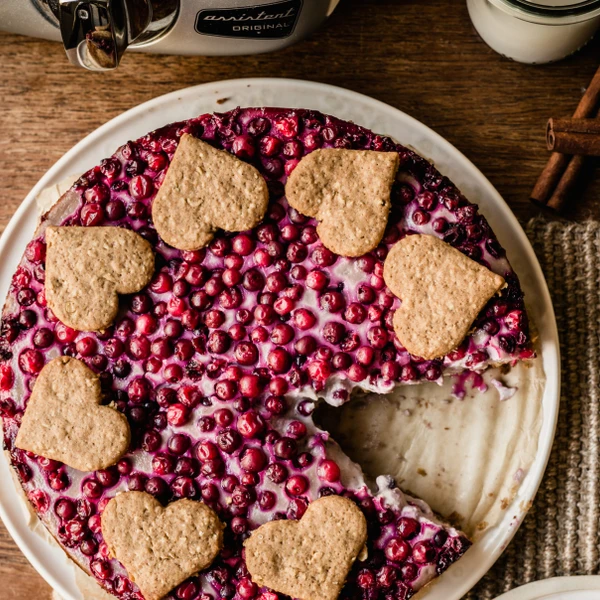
(527,41)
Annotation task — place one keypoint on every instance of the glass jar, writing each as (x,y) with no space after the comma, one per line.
(535,32)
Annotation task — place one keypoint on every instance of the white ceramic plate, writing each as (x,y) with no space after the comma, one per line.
(220,97)
(558,588)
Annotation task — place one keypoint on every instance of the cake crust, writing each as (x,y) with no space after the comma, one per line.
(308,559)
(206,189)
(442,292)
(348,192)
(161,547)
(65,422)
(88,267)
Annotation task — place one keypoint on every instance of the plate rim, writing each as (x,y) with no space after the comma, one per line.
(552,378)
(553,585)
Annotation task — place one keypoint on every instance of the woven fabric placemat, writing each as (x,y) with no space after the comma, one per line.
(561,534)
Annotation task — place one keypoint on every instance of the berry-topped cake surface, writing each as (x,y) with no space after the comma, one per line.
(178,316)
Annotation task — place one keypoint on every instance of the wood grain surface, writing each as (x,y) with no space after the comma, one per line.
(422,56)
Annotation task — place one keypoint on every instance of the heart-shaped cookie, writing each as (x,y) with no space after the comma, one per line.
(64,420)
(206,189)
(86,269)
(348,191)
(160,547)
(308,559)
(442,292)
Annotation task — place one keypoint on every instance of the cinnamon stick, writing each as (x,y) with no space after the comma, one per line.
(556,174)
(573,125)
(567,184)
(574,136)
(549,178)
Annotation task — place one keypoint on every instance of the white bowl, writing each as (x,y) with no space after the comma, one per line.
(558,588)
(49,560)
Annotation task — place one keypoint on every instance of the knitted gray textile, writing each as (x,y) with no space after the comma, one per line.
(561,533)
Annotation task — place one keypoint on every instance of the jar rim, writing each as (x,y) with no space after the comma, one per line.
(558,12)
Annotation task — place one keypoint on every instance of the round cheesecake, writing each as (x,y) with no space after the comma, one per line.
(218,363)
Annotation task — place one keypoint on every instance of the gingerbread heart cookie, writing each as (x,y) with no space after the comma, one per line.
(160,547)
(442,292)
(308,559)
(206,189)
(88,267)
(64,420)
(348,191)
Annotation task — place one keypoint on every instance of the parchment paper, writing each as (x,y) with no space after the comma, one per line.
(465,458)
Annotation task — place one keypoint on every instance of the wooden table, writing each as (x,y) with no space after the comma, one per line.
(421,56)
